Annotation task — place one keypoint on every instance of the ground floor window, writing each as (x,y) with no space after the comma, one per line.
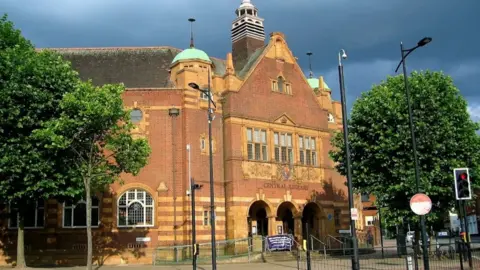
(34,216)
(75,214)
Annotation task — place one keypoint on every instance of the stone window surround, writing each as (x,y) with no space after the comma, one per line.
(271,145)
(287,90)
(253,141)
(303,150)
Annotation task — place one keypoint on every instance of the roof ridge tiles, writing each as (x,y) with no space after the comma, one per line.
(109,48)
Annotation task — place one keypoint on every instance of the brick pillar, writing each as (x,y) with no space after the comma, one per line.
(51,222)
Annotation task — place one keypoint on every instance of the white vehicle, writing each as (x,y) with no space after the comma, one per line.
(409,237)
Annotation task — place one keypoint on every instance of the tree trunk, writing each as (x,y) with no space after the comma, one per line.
(89,224)
(20,243)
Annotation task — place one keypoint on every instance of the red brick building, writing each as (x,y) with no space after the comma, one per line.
(271,138)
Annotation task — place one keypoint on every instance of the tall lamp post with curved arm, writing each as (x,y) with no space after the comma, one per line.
(210,117)
(405,52)
(343,55)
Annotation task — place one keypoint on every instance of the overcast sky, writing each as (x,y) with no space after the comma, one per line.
(369,30)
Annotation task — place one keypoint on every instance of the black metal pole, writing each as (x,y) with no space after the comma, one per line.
(309,259)
(212,196)
(381,230)
(460,243)
(426,263)
(194,233)
(355,262)
(467,236)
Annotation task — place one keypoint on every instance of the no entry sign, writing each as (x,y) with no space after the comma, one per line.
(420,204)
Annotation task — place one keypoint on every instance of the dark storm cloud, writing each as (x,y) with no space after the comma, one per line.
(370,31)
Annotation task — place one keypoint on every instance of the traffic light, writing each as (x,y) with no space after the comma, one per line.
(463,189)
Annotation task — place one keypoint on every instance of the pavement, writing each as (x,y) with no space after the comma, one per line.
(337,264)
(246,266)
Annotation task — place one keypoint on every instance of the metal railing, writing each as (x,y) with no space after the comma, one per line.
(183,254)
(314,240)
(394,257)
(329,242)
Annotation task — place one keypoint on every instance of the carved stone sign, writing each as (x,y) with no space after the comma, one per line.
(282,172)
(286,172)
(284,185)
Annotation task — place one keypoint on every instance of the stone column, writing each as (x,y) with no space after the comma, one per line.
(272,225)
(298,228)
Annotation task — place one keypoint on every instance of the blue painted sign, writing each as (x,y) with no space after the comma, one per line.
(280,242)
(329,216)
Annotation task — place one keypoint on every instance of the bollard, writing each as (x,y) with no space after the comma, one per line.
(409,262)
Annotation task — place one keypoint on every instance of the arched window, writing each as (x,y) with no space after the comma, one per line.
(136,115)
(202,144)
(280,83)
(135,209)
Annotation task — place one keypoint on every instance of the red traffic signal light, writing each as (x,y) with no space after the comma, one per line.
(463,189)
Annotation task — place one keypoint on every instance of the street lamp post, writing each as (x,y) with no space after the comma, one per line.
(208,92)
(355,262)
(405,53)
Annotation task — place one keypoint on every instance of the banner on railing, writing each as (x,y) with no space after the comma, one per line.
(280,242)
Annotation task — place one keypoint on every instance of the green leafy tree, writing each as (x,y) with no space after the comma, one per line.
(32,85)
(93,134)
(381,149)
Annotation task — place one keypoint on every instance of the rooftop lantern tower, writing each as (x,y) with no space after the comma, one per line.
(248,33)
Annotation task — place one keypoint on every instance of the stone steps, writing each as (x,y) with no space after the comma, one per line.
(280,256)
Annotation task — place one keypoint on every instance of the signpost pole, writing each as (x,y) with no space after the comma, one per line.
(309,261)
(421,205)
(467,235)
(460,242)
(194,233)
(381,230)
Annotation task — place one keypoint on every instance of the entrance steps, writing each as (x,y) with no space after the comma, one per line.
(280,256)
(283,256)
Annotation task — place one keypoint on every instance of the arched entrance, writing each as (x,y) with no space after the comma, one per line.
(311,219)
(285,214)
(258,218)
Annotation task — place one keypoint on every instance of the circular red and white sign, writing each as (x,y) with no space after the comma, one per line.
(420,204)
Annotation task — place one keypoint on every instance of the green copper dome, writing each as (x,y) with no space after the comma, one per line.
(191,54)
(315,83)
